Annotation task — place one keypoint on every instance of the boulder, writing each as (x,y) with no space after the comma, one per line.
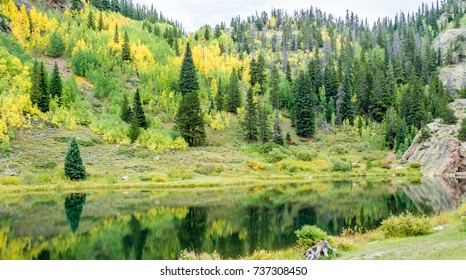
(442,154)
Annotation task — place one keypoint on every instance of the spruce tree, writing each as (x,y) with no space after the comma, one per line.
(188,76)
(274,87)
(90,21)
(138,111)
(346,109)
(75,5)
(189,120)
(35,81)
(277,132)
(219,98)
(56,83)
(74,204)
(44,100)
(134,129)
(234,100)
(263,122)
(116,35)
(126,51)
(126,113)
(74,168)
(250,122)
(57,46)
(288,73)
(101,23)
(304,107)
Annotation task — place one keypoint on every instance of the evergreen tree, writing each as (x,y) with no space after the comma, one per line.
(304,107)
(263,122)
(126,113)
(56,83)
(74,168)
(57,46)
(288,73)
(219,98)
(44,100)
(330,110)
(134,129)
(250,122)
(126,51)
(101,23)
(75,5)
(274,87)
(462,131)
(105,5)
(138,111)
(115,6)
(234,100)
(346,109)
(189,120)
(74,204)
(277,132)
(188,76)
(90,21)
(116,35)
(36,91)
(207,33)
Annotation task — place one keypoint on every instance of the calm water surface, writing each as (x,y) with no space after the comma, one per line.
(154,224)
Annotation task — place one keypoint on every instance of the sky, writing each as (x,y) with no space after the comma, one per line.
(196,13)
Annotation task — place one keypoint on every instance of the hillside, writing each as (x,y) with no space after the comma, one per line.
(335,95)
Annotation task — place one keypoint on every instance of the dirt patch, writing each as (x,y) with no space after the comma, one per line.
(61,63)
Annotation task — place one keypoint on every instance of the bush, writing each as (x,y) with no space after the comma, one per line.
(276,155)
(310,235)
(406,225)
(210,169)
(448,116)
(83,61)
(415,166)
(340,165)
(305,155)
(384,163)
(13,180)
(338,150)
(257,166)
(159,178)
(342,243)
(45,164)
(267,147)
(57,46)
(180,174)
(5,147)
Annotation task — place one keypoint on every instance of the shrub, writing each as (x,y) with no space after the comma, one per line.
(462,131)
(5,147)
(405,225)
(340,165)
(57,46)
(415,165)
(267,147)
(45,164)
(257,166)
(276,155)
(157,177)
(192,256)
(182,174)
(305,155)
(83,61)
(10,180)
(338,150)
(384,163)
(210,169)
(310,235)
(342,243)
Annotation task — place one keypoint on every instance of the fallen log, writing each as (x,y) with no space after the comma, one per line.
(320,248)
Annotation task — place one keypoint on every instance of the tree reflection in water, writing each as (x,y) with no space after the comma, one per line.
(74,204)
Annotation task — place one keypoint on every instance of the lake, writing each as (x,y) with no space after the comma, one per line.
(232,221)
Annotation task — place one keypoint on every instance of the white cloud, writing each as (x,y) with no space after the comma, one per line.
(194,13)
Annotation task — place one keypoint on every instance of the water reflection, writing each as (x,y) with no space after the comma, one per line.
(74,204)
(238,223)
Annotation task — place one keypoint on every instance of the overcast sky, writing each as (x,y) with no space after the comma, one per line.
(195,13)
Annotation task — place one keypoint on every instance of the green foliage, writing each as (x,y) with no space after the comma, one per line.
(188,76)
(125,50)
(189,120)
(462,131)
(305,155)
(10,180)
(415,166)
(57,46)
(339,164)
(159,178)
(304,107)
(210,169)
(126,114)
(74,204)
(276,155)
(74,168)
(134,129)
(448,116)
(138,111)
(90,20)
(406,225)
(234,100)
(84,61)
(56,87)
(263,122)
(250,121)
(309,235)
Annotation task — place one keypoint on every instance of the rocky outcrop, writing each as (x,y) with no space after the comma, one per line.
(442,154)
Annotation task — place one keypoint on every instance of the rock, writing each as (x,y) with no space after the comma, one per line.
(125,178)
(326,127)
(391,156)
(157,158)
(125,193)
(10,171)
(442,154)
(439,228)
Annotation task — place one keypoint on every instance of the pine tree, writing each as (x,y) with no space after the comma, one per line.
(234,100)
(263,122)
(330,110)
(115,6)
(105,5)
(138,111)
(44,100)
(35,81)
(101,22)
(134,129)
(250,122)
(74,168)
(189,120)
(219,98)
(56,83)
(75,5)
(277,132)
(126,113)
(304,107)
(288,73)
(116,36)
(188,76)
(274,87)
(125,51)
(346,109)
(90,21)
